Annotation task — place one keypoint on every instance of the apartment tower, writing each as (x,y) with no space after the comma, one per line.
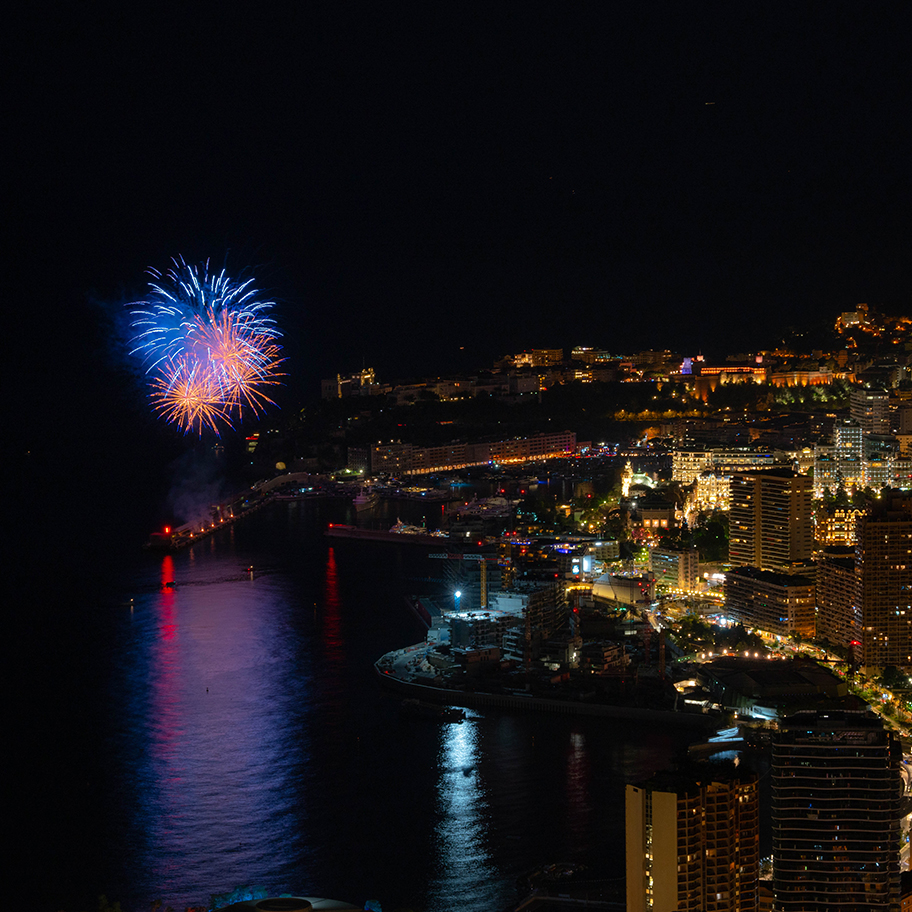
(836,795)
(693,843)
(883,567)
(771,520)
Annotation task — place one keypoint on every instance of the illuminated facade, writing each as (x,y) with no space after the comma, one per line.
(836,795)
(398,458)
(870,409)
(858,459)
(807,377)
(637,590)
(837,596)
(826,471)
(539,357)
(883,565)
(836,525)
(687,463)
(693,844)
(770,520)
(773,602)
(712,492)
(675,569)
(848,451)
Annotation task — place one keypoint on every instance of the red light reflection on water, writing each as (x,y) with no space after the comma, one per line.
(168,627)
(165,659)
(167,570)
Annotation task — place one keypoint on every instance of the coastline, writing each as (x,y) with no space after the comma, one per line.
(476,699)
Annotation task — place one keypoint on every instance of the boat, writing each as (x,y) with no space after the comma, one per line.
(401,532)
(401,528)
(423,710)
(365,499)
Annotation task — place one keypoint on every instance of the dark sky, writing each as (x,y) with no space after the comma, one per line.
(408,179)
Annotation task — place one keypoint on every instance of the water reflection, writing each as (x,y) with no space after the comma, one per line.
(463,864)
(579,792)
(219,687)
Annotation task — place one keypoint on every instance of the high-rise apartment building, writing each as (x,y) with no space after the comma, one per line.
(770,520)
(693,843)
(779,603)
(848,450)
(870,409)
(883,566)
(837,596)
(836,793)
(675,568)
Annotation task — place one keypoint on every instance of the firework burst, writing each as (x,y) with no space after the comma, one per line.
(209,345)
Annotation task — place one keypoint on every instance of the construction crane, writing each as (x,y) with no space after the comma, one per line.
(483,561)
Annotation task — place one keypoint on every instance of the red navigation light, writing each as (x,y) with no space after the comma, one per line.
(167,530)
(855,643)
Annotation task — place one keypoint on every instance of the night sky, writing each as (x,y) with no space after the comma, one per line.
(422,187)
(426,187)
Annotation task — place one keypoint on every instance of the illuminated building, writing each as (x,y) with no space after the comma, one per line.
(635,589)
(770,520)
(604,551)
(693,844)
(870,409)
(543,609)
(848,450)
(878,461)
(902,472)
(364,383)
(712,492)
(398,458)
(626,479)
(836,794)
(836,525)
(675,568)
(820,376)
(604,658)
(857,317)
(883,565)
(592,356)
(709,376)
(539,357)
(479,629)
(879,472)
(774,602)
(653,514)
(393,458)
(837,597)
(803,460)
(826,470)
(687,463)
